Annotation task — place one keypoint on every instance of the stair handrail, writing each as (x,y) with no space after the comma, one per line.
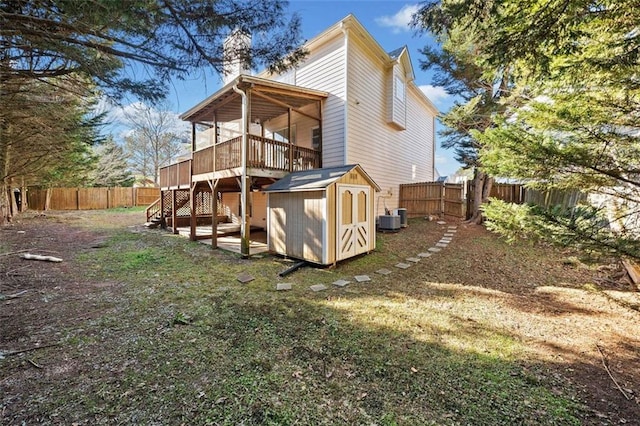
(153,211)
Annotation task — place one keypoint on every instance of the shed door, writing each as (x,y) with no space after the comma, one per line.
(353,221)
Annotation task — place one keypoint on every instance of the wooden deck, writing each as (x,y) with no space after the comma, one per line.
(229,237)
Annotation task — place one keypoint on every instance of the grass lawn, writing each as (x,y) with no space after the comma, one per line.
(151,328)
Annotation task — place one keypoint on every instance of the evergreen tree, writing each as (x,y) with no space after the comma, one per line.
(46,132)
(103,40)
(575,124)
(460,66)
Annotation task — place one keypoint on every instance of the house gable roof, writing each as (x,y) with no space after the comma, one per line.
(397,56)
(316,179)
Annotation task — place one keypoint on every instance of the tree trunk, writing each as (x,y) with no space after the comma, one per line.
(13,204)
(47,199)
(5,187)
(24,205)
(482,189)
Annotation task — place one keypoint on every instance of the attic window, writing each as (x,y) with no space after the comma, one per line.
(396,98)
(399,89)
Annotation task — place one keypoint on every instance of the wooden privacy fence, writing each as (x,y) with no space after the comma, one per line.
(451,199)
(90,198)
(456,200)
(433,198)
(509,192)
(565,200)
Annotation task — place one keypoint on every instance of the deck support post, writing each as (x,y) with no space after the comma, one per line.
(214,213)
(174,211)
(291,157)
(193,218)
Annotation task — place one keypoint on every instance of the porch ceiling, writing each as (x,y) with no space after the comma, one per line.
(269,99)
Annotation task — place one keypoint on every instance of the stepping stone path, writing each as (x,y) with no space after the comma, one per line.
(442,243)
(245,278)
(318,287)
(340,283)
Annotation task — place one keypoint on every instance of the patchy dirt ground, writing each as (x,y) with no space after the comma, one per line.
(582,319)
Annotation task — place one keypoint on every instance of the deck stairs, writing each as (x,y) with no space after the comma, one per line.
(155,216)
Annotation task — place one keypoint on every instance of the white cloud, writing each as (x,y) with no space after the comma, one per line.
(435,93)
(441,159)
(401,20)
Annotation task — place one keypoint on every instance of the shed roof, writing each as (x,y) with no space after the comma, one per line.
(316,179)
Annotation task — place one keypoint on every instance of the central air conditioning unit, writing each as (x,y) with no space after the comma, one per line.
(389,222)
(403,216)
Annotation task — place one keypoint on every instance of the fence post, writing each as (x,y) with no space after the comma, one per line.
(442,196)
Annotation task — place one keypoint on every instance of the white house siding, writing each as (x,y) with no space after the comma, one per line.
(324,69)
(301,123)
(390,156)
(231,208)
(259,209)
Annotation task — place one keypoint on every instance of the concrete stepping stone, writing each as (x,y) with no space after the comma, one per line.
(414,259)
(245,278)
(442,245)
(452,227)
(318,287)
(403,265)
(383,271)
(448,235)
(283,286)
(434,249)
(340,283)
(441,222)
(362,278)
(424,254)
(445,240)
(452,231)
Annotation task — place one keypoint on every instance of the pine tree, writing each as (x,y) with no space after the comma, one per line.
(574,125)
(479,87)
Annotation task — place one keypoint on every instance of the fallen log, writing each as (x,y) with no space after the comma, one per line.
(30,256)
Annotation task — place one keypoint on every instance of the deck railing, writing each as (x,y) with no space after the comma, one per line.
(262,153)
(174,175)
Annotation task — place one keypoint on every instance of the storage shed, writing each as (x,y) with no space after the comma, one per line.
(322,215)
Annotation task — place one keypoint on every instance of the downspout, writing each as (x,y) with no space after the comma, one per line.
(244,189)
(345,31)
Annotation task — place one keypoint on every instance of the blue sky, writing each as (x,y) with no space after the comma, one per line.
(387,21)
